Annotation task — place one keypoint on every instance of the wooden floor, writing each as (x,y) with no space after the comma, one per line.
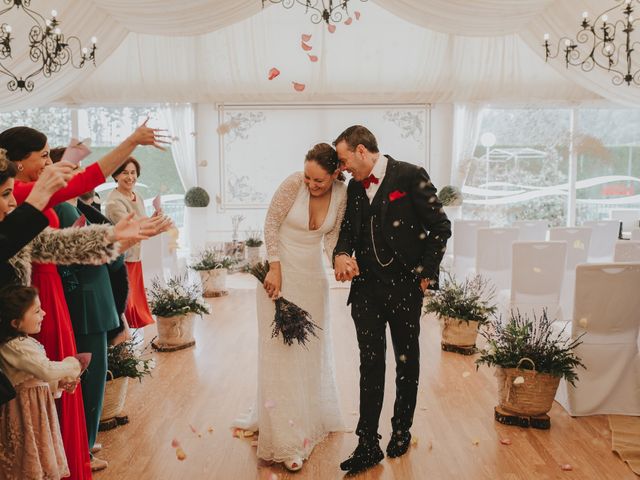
(205,387)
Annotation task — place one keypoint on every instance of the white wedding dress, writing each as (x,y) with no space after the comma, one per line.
(297,401)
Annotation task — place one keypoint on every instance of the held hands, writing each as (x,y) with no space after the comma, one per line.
(273,281)
(69,386)
(345,268)
(144,135)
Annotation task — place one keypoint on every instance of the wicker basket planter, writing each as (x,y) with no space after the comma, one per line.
(115,394)
(214,282)
(533,397)
(175,331)
(459,333)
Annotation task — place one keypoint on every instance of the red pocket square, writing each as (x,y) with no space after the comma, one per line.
(395,195)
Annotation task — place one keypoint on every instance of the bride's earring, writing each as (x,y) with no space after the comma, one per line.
(20,167)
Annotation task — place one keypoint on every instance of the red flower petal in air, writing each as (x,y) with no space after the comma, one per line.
(298,87)
(273,73)
(313,58)
(357,15)
(348,21)
(306,37)
(332,28)
(305,47)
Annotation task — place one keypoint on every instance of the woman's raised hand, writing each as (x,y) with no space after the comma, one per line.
(128,228)
(144,135)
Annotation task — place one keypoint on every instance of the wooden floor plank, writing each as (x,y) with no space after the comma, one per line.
(209,385)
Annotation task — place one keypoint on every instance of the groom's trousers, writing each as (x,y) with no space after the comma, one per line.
(374,304)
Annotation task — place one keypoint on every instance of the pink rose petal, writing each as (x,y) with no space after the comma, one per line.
(193,429)
(566,467)
(298,87)
(505,441)
(175,443)
(306,37)
(356,14)
(348,21)
(313,58)
(306,443)
(331,28)
(305,47)
(273,73)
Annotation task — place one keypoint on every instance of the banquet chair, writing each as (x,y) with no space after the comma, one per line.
(578,240)
(537,276)
(635,234)
(628,216)
(465,246)
(532,230)
(604,234)
(627,251)
(606,312)
(493,258)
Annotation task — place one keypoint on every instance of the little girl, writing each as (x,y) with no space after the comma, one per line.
(30,442)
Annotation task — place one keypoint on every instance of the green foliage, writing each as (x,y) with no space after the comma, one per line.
(471,300)
(176,298)
(209,259)
(450,196)
(552,352)
(123,360)
(196,197)
(254,238)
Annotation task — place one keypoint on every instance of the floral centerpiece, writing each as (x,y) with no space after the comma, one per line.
(175,305)
(462,308)
(123,362)
(290,321)
(213,269)
(531,357)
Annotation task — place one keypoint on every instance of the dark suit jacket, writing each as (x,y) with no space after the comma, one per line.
(414,224)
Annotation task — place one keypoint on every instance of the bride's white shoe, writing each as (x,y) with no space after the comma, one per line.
(293,464)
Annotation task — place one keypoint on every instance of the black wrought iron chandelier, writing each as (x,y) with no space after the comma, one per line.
(329,11)
(606,42)
(48,46)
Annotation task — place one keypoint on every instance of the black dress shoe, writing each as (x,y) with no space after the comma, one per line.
(367,454)
(398,443)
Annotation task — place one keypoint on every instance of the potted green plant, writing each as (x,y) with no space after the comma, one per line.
(175,306)
(124,361)
(451,198)
(531,357)
(253,244)
(461,309)
(196,199)
(213,269)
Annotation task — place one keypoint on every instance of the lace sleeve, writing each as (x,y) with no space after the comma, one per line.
(331,237)
(27,355)
(279,207)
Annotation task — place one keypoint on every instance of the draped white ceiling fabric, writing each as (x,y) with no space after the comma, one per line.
(409,51)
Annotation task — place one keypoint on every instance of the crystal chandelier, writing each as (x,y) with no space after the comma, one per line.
(49,49)
(321,11)
(606,42)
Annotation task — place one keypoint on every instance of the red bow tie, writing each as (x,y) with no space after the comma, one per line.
(369,180)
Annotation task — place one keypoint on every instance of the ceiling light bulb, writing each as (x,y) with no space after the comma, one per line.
(585,14)
(57,31)
(7,28)
(567,42)
(546,36)
(54,13)
(605,18)
(94,40)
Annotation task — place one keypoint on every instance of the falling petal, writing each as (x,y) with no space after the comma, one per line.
(583,322)
(566,467)
(305,443)
(465,374)
(269,404)
(305,47)
(273,73)
(403,358)
(291,423)
(298,87)
(476,442)
(313,58)
(175,443)
(180,455)
(210,429)
(306,37)
(505,441)
(348,21)
(356,14)
(331,28)
(518,380)
(193,429)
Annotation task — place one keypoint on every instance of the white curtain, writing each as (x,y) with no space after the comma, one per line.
(181,125)
(467,120)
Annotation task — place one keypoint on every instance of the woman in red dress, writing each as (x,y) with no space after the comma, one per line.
(29,149)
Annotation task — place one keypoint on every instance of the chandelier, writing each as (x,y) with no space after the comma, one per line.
(321,11)
(49,49)
(605,42)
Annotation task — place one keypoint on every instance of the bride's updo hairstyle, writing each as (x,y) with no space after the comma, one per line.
(325,156)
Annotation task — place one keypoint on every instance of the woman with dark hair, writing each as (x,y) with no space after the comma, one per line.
(297,402)
(29,150)
(122,201)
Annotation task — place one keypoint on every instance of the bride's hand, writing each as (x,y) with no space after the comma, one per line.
(273,281)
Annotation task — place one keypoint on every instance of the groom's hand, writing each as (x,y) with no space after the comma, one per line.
(345,268)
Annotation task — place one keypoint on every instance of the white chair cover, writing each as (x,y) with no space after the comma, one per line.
(537,275)
(627,251)
(532,230)
(635,234)
(152,259)
(606,311)
(493,259)
(465,245)
(604,234)
(578,240)
(629,218)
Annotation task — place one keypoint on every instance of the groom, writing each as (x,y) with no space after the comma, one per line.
(395,225)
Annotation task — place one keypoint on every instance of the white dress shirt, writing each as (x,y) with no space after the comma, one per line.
(379,170)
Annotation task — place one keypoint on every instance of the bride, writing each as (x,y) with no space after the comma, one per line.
(297,402)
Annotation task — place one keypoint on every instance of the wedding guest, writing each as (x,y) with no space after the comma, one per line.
(30,441)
